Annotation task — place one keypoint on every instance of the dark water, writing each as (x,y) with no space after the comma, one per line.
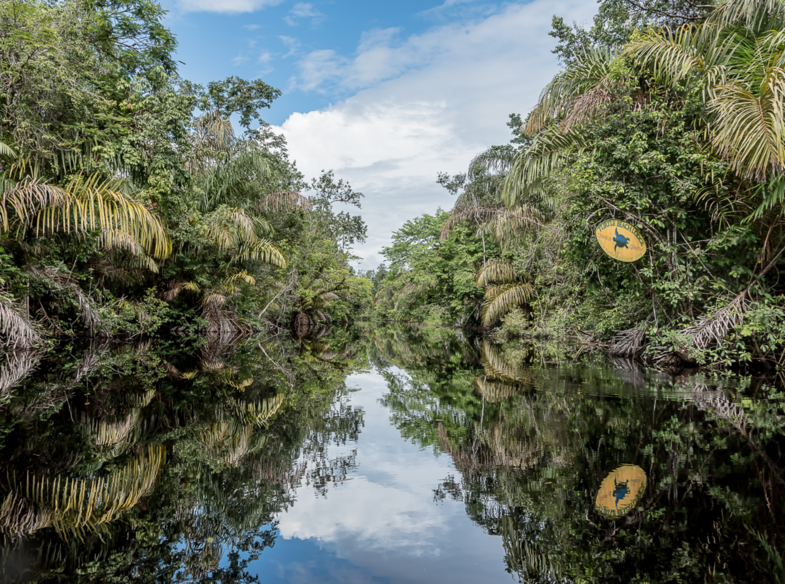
(388,458)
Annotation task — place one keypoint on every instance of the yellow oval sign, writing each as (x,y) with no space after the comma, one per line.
(621,491)
(620,240)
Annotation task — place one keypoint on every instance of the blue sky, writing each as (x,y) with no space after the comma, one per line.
(386,94)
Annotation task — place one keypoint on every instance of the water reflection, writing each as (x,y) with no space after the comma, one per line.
(292,460)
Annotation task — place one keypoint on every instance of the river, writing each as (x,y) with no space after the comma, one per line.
(387,459)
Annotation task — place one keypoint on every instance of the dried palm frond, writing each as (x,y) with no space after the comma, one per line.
(88,313)
(18,332)
(284,201)
(629,343)
(499,300)
(81,506)
(712,328)
(14,368)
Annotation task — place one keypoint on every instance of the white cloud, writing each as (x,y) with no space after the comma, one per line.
(425,104)
(304,10)
(265,57)
(292,44)
(252,26)
(229,6)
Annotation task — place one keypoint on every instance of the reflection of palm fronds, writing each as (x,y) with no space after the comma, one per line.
(19,519)
(280,472)
(142,401)
(15,367)
(531,564)
(258,413)
(111,438)
(497,367)
(495,391)
(17,330)
(228,442)
(80,506)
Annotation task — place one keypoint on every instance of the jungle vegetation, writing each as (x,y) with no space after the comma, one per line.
(130,206)
(667,115)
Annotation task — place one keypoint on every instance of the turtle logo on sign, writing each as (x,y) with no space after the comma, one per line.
(620,240)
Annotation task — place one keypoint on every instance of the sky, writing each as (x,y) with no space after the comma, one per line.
(387,94)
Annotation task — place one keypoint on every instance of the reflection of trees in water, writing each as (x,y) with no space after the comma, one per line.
(237,449)
(532,450)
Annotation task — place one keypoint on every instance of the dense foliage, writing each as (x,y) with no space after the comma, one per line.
(669,116)
(129,205)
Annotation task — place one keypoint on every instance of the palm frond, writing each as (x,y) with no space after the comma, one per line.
(6,150)
(499,300)
(702,49)
(749,130)
(578,93)
(213,131)
(234,232)
(496,270)
(547,153)
(262,250)
(495,159)
(755,15)
(505,221)
(91,204)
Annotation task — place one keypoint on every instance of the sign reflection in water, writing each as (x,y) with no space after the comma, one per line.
(621,491)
